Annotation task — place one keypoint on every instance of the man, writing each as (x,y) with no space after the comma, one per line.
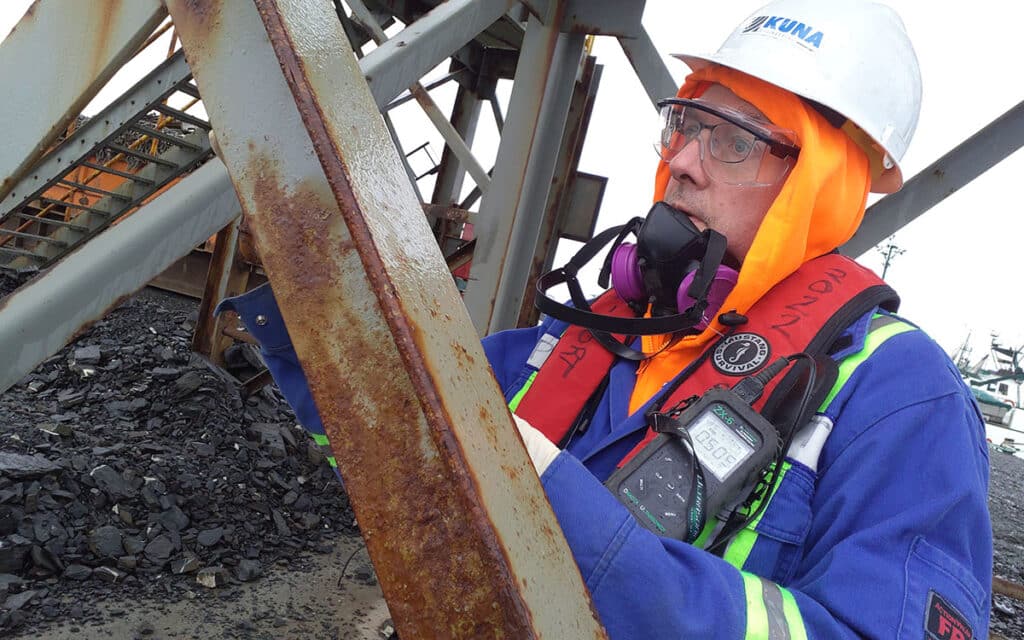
(874,523)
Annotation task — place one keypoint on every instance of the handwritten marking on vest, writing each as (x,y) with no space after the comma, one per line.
(574,353)
(816,290)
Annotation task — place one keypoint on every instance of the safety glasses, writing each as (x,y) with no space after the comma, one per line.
(737,150)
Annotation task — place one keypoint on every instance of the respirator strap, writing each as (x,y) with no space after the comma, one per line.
(713,256)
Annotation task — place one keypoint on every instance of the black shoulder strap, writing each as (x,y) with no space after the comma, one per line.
(781,406)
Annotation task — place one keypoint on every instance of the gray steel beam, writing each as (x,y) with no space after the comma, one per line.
(557,208)
(604,17)
(154,87)
(512,210)
(398,63)
(971,158)
(454,517)
(437,118)
(103,34)
(649,67)
(465,117)
(45,314)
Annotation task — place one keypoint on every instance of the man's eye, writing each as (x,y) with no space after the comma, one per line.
(690,129)
(741,146)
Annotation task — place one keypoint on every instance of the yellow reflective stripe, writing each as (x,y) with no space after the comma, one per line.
(757,613)
(794,620)
(516,399)
(772,612)
(740,547)
(331,461)
(850,363)
(320,439)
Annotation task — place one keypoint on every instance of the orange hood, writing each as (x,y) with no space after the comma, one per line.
(818,209)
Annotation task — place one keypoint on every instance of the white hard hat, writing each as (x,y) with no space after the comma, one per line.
(852,56)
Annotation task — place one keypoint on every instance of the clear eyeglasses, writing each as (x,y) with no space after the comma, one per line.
(737,150)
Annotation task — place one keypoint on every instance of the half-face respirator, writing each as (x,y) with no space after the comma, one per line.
(674,272)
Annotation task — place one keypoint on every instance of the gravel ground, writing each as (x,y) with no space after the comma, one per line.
(132,474)
(1005,497)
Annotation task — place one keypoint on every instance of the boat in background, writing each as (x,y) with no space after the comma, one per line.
(995,381)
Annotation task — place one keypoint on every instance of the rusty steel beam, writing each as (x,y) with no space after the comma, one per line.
(227,276)
(102,34)
(462,538)
(1007,588)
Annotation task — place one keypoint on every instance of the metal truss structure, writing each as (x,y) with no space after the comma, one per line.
(360,260)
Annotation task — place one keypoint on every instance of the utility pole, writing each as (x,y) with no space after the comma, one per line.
(890,251)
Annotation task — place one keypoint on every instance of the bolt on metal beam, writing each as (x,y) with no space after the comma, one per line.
(103,34)
(463,540)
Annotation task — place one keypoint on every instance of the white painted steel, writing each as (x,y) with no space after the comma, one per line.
(53,86)
(43,316)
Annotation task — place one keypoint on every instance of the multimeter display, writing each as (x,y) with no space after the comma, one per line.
(718,447)
(700,461)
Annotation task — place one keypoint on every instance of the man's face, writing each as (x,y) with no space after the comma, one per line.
(734,211)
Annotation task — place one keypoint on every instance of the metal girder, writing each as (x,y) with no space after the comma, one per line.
(558,209)
(971,158)
(398,63)
(43,316)
(465,116)
(451,137)
(604,17)
(462,538)
(512,210)
(226,276)
(156,85)
(649,67)
(103,34)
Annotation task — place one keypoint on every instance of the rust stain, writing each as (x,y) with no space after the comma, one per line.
(26,18)
(199,21)
(101,37)
(417,514)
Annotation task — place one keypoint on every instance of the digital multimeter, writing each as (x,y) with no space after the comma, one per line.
(713,450)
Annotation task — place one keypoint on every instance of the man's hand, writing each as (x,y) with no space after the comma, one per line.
(542,451)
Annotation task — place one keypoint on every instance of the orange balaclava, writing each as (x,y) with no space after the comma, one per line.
(819,208)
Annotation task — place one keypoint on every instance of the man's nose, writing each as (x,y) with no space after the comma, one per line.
(688,162)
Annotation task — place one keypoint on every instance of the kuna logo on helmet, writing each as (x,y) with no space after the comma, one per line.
(805,34)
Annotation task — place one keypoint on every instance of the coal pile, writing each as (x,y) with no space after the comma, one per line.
(131,468)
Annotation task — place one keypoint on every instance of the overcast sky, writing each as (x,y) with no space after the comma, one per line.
(959,270)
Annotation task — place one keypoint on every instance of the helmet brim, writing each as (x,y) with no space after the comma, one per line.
(890,180)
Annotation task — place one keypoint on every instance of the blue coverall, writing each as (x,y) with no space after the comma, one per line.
(889,537)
